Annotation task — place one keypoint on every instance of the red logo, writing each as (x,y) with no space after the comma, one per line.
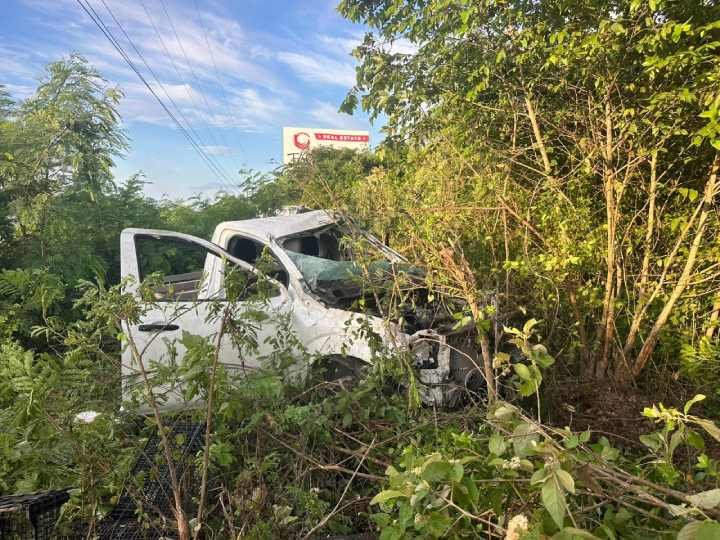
(301,140)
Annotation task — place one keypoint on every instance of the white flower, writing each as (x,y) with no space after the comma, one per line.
(517,526)
(87,416)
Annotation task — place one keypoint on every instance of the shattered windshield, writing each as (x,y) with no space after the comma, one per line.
(337,281)
(348,269)
(344,266)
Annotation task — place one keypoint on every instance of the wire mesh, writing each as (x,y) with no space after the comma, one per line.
(144,509)
(31,516)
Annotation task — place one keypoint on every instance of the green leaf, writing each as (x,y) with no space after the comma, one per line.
(710,427)
(522,371)
(566,481)
(675,440)
(540,356)
(695,440)
(528,388)
(523,437)
(387,495)
(539,476)
(706,499)
(504,411)
(553,499)
(529,325)
(690,403)
(497,444)
(437,524)
(438,471)
(571,533)
(652,441)
(700,530)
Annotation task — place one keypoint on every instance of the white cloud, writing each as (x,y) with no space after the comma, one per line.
(402,46)
(319,69)
(225,74)
(339,45)
(327,115)
(218,150)
(18,91)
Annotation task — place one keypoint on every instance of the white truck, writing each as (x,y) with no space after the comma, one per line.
(325,309)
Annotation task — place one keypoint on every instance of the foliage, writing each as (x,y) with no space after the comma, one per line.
(567,149)
(552,158)
(515,476)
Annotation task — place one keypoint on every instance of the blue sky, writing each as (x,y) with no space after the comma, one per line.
(278,63)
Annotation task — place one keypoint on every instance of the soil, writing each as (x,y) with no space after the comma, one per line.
(603,409)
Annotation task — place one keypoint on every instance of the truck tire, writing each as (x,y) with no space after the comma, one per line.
(346,370)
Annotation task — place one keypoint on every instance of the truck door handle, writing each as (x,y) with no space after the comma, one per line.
(158,327)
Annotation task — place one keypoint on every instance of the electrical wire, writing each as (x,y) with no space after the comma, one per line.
(218,80)
(186,85)
(182,49)
(162,86)
(97,20)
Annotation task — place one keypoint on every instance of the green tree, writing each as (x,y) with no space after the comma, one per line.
(576,143)
(58,147)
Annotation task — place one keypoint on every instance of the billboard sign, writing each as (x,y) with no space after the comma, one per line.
(298,140)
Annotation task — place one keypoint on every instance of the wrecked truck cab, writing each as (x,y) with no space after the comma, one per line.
(335,284)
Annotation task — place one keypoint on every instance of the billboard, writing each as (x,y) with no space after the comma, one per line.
(297,140)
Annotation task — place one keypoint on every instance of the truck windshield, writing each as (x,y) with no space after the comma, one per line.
(341,268)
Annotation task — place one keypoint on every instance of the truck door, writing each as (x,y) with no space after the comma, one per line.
(187,279)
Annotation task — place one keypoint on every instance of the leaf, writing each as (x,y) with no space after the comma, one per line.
(700,530)
(675,440)
(553,499)
(386,495)
(539,476)
(571,533)
(651,440)
(497,444)
(710,427)
(540,356)
(706,499)
(529,325)
(566,481)
(695,440)
(690,403)
(523,437)
(504,412)
(472,491)
(523,371)
(437,471)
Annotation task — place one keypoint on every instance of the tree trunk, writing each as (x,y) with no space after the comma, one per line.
(682,283)
(647,247)
(606,327)
(712,323)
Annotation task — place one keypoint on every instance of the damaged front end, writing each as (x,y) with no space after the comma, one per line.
(436,328)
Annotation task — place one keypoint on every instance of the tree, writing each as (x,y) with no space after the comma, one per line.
(583,138)
(60,144)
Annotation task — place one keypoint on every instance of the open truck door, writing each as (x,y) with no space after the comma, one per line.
(188,275)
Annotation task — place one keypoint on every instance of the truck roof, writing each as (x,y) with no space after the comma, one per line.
(278,226)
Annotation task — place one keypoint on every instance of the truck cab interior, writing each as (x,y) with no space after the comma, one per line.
(251,251)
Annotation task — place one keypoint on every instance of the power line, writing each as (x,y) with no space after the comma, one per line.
(90,11)
(223,93)
(157,80)
(187,86)
(184,52)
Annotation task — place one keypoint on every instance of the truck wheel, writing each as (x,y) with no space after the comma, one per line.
(345,370)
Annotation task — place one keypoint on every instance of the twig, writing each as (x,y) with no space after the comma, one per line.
(324,520)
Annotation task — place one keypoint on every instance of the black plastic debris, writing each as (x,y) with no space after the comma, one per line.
(148,491)
(31,516)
